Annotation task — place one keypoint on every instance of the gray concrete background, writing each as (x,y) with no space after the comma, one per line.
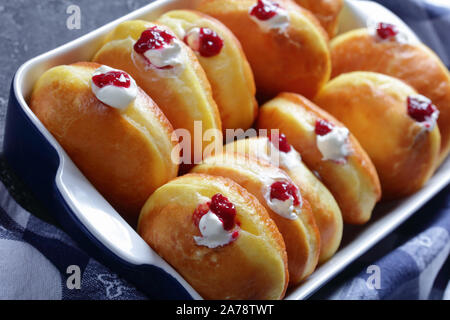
(29,28)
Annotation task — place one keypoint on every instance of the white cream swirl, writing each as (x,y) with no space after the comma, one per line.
(430,121)
(266,150)
(279,21)
(285,208)
(401,37)
(335,145)
(192,38)
(291,159)
(114,96)
(213,233)
(170,55)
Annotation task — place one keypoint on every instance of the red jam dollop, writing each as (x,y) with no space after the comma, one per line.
(323,127)
(153,39)
(224,209)
(208,44)
(386,30)
(112,78)
(199,212)
(265,9)
(420,110)
(220,206)
(281,190)
(283,144)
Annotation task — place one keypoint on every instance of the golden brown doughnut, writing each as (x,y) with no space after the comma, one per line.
(180,88)
(342,164)
(376,110)
(296,222)
(222,58)
(126,154)
(326,211)
(412,62)
(287,52)
(326,11)
(252,266)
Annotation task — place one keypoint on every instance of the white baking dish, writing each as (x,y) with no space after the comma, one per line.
(41,162)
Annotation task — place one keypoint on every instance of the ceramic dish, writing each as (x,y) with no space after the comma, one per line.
(42,164)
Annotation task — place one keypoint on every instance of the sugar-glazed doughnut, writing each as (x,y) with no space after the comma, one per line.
(281,198)
(110,128)
(328,148)
(279,152)
(165,68)
(394,124)
(225,64)
(217,236)
(386,49)
(285,45)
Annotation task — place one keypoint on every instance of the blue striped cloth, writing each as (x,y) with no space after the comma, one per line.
(37,258)
(412,263)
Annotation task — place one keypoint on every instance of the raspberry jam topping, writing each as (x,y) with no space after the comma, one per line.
(281,190)
(216,221)
(221,207)
(224,209)
(204,40)
(420,108)
(112,78)
(323,127)
(153,39)
(386,30)
(265,9)
(283,144)
(201,210)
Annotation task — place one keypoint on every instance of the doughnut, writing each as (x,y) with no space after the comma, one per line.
(326,211)
(328,149)
(282,200)
(167,70)
(110,128)
(326,11)
(384,48)
(394,124)
(218,237)
(285,45)
(221,56)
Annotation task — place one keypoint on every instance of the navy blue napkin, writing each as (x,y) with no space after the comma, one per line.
(39,261)
(411,263)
